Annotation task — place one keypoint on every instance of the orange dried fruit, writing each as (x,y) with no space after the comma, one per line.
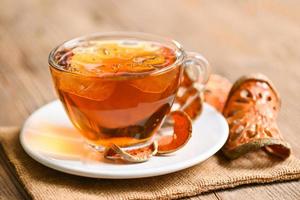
(195,108)
(216,91)
(114,152)
(182,132)
(186,80)
(190,96)
(190,101)
(88,87)
(251,111)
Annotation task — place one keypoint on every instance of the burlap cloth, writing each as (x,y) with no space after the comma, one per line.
(216,173)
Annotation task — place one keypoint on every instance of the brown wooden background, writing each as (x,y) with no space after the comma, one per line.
(237,36)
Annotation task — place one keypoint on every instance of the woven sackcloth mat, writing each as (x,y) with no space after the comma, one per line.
(216,173)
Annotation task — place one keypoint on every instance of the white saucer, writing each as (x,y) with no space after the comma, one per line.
(49,137)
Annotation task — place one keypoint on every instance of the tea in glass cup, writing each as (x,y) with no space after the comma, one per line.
(117,88)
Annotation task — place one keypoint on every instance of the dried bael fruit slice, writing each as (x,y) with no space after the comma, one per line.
(182,132)
(189,97)
(114,152)
(251,111)
(190,100)
(191,75)
(194,106)
(216,91)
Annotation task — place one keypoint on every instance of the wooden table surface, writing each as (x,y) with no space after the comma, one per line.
(237,37)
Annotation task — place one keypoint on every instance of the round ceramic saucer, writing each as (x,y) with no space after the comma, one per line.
(49,137)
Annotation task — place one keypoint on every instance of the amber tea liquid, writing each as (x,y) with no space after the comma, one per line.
(111,91)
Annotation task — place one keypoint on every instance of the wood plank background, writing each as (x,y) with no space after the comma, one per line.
(237,37)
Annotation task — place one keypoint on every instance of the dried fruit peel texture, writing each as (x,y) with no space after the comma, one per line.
(251,111)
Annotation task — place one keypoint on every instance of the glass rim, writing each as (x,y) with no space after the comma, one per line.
(179,52)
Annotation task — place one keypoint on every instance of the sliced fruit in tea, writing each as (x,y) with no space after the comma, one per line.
(162,57)
(182,132)
(119,57)
(97,58)
(87,87)
(157,83)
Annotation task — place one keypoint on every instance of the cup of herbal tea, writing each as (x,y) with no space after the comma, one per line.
(117,88)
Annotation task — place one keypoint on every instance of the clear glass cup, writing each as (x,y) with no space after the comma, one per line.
(126,109)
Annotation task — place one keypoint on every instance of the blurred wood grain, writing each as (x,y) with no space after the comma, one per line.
(237,37)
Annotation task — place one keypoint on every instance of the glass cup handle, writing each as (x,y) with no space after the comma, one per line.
(197,69)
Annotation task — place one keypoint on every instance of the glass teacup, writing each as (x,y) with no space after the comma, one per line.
(117,88)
